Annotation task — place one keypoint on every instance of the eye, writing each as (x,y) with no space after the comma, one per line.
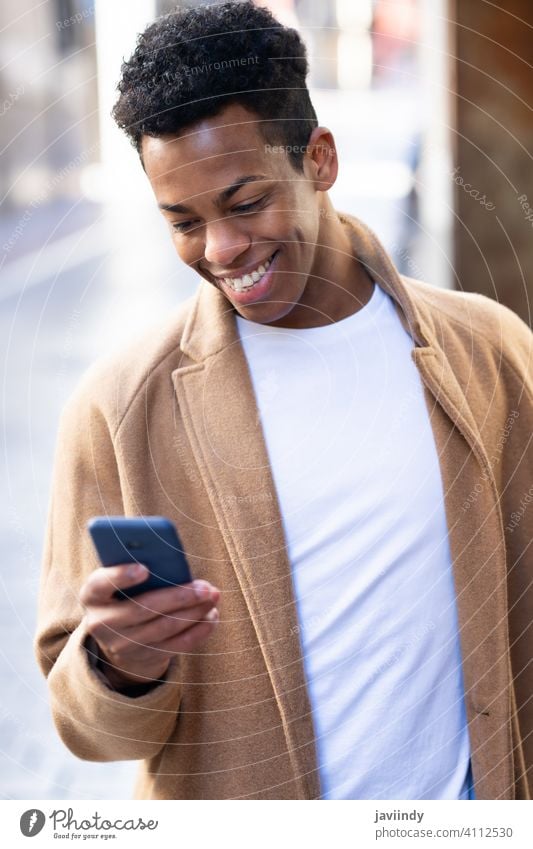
(186,226)
(246,207)
(182,226)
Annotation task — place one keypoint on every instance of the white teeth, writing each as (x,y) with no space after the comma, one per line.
(248,280)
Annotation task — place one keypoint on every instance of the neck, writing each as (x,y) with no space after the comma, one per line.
(338,285)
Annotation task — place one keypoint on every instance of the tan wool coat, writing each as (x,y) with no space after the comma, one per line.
(170,427)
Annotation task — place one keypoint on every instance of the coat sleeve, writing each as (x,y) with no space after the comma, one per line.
(94,721)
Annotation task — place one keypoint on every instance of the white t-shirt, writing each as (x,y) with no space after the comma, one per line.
(357,476)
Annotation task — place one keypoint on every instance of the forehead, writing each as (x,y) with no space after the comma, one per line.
(210,154)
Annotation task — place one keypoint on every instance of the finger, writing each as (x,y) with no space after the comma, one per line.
(148,606)
(191,637)
(151,604)
(120,655)
(123,648)
(102,583)
(166,626)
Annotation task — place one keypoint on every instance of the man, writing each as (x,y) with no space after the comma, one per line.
(341,450)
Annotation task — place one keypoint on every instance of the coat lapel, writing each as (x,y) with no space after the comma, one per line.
(217,402)
(480,574)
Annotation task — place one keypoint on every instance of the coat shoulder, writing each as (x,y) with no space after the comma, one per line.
(477,320)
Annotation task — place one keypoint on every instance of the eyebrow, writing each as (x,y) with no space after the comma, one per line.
(224,195)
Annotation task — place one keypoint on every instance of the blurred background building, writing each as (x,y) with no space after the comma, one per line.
(429,101)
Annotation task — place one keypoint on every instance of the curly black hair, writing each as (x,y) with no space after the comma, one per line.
(191,63)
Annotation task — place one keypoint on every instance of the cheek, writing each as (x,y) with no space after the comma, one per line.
(297,223)
(189,250)
(284,225)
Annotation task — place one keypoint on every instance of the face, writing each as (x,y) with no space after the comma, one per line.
(240,215)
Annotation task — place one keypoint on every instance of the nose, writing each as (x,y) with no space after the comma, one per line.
(224,243)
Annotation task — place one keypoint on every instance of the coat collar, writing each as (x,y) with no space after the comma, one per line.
(211,328)
(211,325)
(217,403)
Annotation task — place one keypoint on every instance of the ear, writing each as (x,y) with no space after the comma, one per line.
(320,161)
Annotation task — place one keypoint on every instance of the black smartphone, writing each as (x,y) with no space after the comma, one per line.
(152,540)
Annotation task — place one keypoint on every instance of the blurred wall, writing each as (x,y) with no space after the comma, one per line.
(493,172)
(48,104)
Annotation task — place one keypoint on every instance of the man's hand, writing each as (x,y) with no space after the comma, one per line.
(137,637)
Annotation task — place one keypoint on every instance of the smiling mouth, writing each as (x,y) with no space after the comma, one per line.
(247,281)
